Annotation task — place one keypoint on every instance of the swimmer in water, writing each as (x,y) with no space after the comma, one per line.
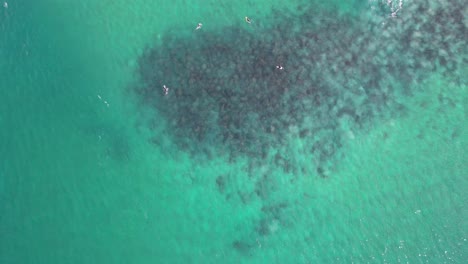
(279,67)
(165,89)
(247,19)
(199,26)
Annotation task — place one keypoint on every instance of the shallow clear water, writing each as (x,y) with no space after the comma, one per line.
(93,172)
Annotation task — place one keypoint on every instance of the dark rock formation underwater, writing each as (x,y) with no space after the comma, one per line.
(341,73)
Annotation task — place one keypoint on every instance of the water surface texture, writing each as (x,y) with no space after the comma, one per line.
(311,132)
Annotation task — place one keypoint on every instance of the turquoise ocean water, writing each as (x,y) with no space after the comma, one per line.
(83,179)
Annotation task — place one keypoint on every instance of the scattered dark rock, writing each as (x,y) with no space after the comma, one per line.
(221,183)
(243,247)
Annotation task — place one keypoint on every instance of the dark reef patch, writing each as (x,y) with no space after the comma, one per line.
(228,98)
